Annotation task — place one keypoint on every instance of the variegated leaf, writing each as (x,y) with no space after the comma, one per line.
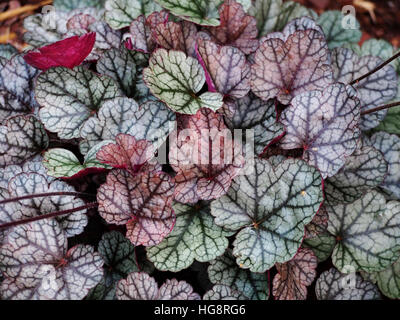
(367,232)
(332,285)
(252,113)
(223,292)
(142,202)
(322,245)
(39,267)
(175,79)
(388,280)
(62,163)
(325,124)
(68,5)
(204,12)
(332,23)
(365,169)
(375,90)
(224,271)
(194,237)
(389,145)
(69,97)
(120,13)
(21,137)
(140,286)
(205,167)
(151,121)
(284,69)
(28,183)
(294,276)
(270,207)
(227,67)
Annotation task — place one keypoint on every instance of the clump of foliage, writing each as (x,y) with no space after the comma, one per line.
(89,211)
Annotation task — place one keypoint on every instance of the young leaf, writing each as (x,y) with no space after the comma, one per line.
(237,29)
(205,167)
(29,183)
(222,292)
(17,79)
(21,137)
(62,163)
(389,145)
(325,124)
(175,79)
(67,53)
(39,267)
(252,113)
(332,285)
(141,31)
(377,89)
(270,207)
(69,97)
(179,36)
(365,169)
(224,270)
(227,67)
(293,277)
(120,13)
(202,12)
(194,237)
(284,69)
(331,22)
(142,202)
(367,233)
(152,121)
(127,153)
(140,286)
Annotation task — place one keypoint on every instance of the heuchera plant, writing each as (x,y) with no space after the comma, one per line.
(251,143)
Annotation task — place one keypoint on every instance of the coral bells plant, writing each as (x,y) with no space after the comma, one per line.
(250,149)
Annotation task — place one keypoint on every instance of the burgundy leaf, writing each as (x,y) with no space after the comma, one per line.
(237,28)
(284,69)
(227,68)
(176,36)
(70,52)
(293,277)
(141,31)
(197,155)
(127,153)
(318,224)
(142,202)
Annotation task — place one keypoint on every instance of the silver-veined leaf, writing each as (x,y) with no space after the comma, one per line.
(365,169)
(325,124)
(21,137)
(140,286)
(120,13)
(223,292)
(224,271)
(252,113)
(68,5)
(176,78)
(69,97)
(332,285)
(388,280)
(332,23)
(194,237)
(284,69)
(375,90)
(367,233)
(270,207)
(322,245)
(39,266)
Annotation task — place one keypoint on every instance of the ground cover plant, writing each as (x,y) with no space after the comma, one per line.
(208,149)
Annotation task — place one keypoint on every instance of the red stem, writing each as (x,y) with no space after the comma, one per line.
(48,215)
(48,194)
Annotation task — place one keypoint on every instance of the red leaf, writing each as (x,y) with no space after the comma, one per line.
(204,157)
(70,52)
(127,153)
